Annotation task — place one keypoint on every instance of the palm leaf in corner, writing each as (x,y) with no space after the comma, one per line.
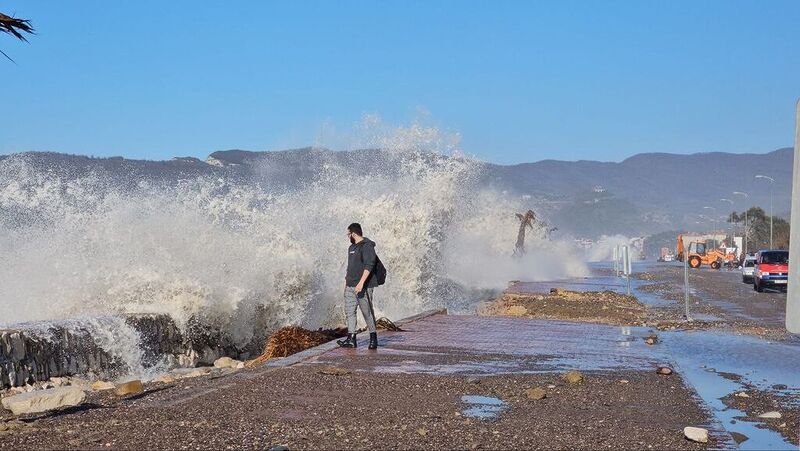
(15,27)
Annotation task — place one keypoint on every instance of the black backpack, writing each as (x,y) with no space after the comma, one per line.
(380,271)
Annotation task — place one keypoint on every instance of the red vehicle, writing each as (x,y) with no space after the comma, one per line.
(772,270)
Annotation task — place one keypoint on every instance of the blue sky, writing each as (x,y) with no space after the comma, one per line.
(520,81)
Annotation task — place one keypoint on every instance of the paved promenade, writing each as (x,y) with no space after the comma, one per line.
(446,382)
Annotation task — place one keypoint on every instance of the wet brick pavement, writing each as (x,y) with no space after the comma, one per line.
(506,345)
(409,394)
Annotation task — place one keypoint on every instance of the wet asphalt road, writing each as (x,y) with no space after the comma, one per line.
(730,298)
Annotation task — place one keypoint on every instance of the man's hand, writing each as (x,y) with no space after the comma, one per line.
(360,286)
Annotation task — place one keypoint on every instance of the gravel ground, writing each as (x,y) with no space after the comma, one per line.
(602,307)
(341,400)
(304,409)
(719,301)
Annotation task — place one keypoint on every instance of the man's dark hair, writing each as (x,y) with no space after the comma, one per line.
(355,228)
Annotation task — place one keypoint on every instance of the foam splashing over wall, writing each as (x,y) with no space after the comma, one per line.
(222,249)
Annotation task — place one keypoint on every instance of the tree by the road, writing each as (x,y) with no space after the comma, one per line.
(758,229)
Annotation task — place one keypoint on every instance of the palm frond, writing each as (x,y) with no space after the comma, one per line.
(15,26)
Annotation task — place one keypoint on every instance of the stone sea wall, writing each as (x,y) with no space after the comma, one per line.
(36,353)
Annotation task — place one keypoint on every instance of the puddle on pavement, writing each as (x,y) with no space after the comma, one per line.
(493,367)
(542,346)
(601,348)
(762,362)
(483,407)
(411,352)
(712,386)
(582,284)
(702,356)
(655,300)
(652,299)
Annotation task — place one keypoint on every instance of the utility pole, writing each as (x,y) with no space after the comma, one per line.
(713,225)
(686,283)
(793,295)
(771,184)
(740,193)
(730,221)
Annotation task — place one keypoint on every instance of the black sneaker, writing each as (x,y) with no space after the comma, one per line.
(350,342)
(373,340)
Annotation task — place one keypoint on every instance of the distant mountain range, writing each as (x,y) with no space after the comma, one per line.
(652,191)
(644,194)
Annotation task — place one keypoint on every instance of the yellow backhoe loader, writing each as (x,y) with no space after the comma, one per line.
(700,254)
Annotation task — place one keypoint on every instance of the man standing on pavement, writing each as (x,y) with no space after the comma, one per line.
(358,285)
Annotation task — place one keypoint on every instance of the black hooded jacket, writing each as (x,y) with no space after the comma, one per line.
(361,256)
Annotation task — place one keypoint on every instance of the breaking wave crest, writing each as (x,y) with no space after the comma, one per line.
(221,248)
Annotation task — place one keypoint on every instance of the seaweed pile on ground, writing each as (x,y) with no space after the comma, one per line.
(293,339)
(385,323)
(605,307)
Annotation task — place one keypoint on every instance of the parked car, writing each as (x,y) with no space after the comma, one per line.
(771,270)
(748,268)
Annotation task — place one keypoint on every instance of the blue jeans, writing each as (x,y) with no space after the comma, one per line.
(353,301)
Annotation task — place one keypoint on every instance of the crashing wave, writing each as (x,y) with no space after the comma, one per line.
(241,257)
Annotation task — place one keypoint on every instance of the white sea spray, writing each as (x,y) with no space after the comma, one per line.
(219,249)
